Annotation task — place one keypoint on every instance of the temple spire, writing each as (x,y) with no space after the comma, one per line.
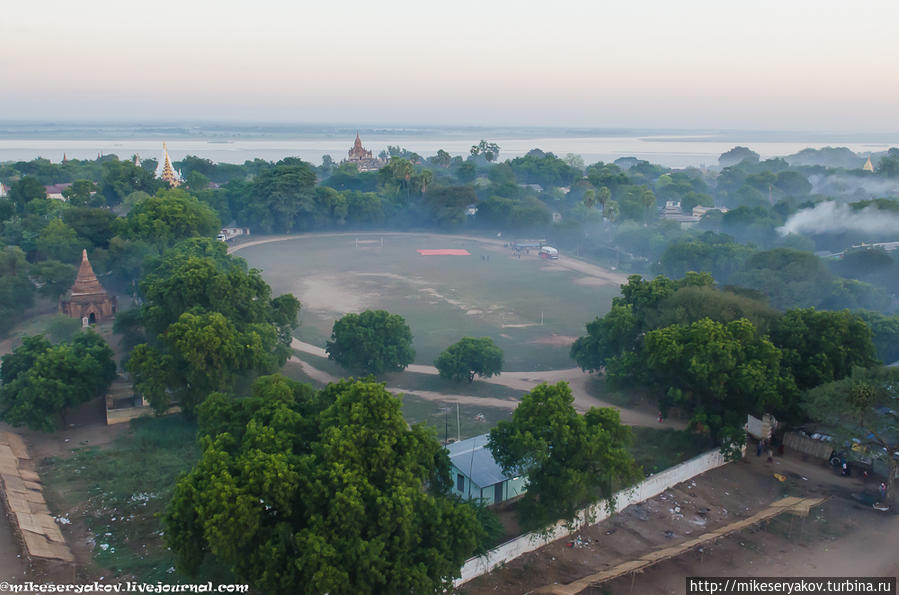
(86,282)
(168,172)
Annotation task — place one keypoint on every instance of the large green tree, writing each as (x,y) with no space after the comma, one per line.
(373,342)
(168,217)
(327,493)
(570,460)
(469,357)
(717,373)
(41,380)
(208,321)
(821,346)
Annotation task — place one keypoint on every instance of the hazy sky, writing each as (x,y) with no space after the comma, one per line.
(785,64)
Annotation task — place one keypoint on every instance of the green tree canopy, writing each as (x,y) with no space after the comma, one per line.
(570,460)
(168,217)
(469,357)
(208,321)
(372,342)
(41,380)
(821,346)
(717,373)
(327,493)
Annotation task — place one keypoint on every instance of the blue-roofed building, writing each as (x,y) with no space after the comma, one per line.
(477,476)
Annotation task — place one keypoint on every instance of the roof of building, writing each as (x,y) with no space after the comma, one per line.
(86,282)
(474,459)
(56,188)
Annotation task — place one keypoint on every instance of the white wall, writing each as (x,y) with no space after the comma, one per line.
(648,488)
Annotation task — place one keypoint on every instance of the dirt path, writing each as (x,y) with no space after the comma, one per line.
(525,381)
(840,538)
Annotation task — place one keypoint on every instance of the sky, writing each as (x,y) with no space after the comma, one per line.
(690,64)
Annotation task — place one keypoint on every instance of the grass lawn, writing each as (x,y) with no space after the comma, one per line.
(473,420)
(442,298)
(656,449)
(120,490)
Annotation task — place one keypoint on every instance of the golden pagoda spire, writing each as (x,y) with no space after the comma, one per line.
(168,172)
(868,165)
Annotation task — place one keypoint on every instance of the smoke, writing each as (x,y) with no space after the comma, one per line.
(857,187)
(830,217)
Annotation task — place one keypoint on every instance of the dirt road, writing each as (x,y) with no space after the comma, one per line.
(525,381)
(842,537)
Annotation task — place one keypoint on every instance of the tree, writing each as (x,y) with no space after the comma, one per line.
(372,342)
(717,373)
(280,196)
(59,242)
(200,353)
(446,204)
(862,409)
(24,191)
(469,357)
(42,380)
(737,155)
(325,493)
(885,334)
(81,192)
(208,321)
(821,346)
(121,178)
(96,226)
(570,460)
(168,217)
(442,158)
(490,151)
(54,277)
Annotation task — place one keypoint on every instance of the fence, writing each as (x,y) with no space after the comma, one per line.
(648,488)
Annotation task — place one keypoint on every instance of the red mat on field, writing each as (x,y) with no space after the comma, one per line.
(445,252)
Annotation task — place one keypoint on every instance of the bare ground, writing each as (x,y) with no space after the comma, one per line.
(843,537)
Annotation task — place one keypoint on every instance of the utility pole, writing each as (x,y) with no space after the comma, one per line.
(458,425)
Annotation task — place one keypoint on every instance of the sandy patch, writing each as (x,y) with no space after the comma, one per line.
(474,312)
(520,325)
(330,293)
(555,340)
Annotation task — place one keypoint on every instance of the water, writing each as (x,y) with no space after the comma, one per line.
(236,143)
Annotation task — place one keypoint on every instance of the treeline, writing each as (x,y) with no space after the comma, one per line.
(718,354)
(613,212)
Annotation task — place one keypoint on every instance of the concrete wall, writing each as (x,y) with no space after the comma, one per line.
(648,488)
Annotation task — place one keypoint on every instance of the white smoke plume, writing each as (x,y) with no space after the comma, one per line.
(830,217)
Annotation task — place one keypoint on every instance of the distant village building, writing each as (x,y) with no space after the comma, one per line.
(87,301)
(229,233)
(55,190)
(4,190)
(477,476)
(672,211)
(168,174)
(868,166)
(700,211)
(362,158)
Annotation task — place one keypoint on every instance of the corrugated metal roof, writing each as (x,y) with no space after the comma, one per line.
(474,459)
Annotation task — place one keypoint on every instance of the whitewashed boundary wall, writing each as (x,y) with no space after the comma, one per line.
(648,488)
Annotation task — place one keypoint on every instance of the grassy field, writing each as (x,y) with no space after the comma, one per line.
(119,491)
(443,298)
(656,449)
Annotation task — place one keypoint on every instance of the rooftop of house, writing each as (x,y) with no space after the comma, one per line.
(474,459)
